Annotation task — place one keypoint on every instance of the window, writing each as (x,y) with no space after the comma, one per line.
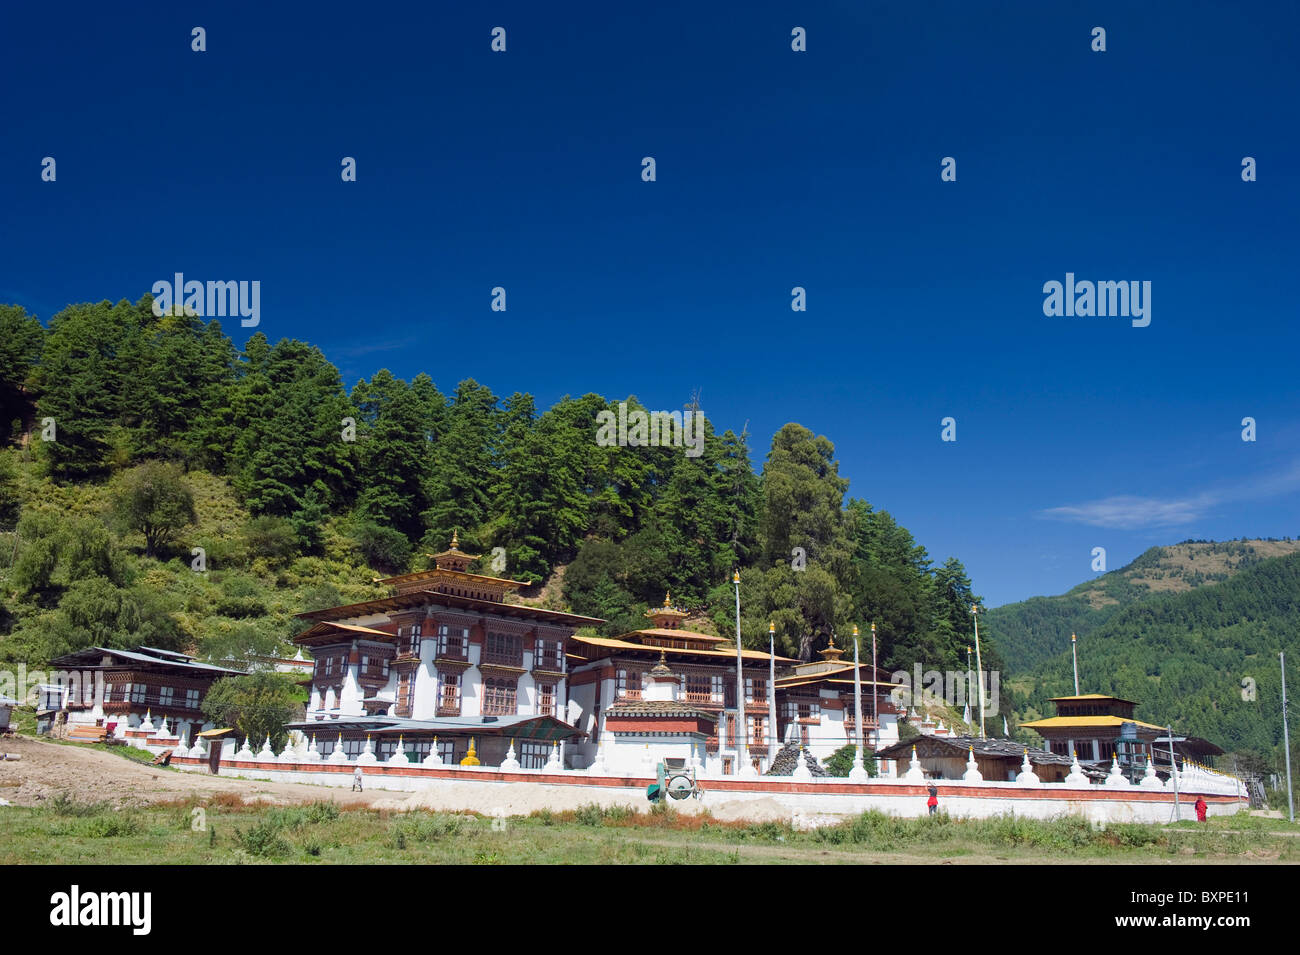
(449,700)
(137,692)
(192,699)
(404,685)
(699,688)
(549,655)
(629,684)
(532,754)
(413,642)
(546,699)
(329,666)
(755,690)
(165,696)
(453,642)
(499,697)
(503,649)
(447,751)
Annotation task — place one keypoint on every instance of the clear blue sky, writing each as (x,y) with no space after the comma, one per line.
(775,169)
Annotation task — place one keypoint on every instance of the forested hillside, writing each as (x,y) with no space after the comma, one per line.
(1034,630)
(1183,654)
(135,439)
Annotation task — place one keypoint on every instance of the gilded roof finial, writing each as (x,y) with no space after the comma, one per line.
(455,537)
(667,602)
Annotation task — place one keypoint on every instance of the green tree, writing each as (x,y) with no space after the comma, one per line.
(21,340)
(10,501)
(394,454)
(84,365)
(153,499)
(257,704)
(805,546)
(463,472)
(288,410)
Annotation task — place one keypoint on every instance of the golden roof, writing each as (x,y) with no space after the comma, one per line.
(1084,722)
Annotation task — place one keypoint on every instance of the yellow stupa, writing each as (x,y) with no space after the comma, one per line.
(470,759)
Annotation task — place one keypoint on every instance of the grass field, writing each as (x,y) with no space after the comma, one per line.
(223,830)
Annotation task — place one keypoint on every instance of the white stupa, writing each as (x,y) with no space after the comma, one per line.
(1076,776)
(511,762)
(1149,779)
(1027,776)
(1116,779)
(914,772)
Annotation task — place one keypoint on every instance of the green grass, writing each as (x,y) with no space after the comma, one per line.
(324,832)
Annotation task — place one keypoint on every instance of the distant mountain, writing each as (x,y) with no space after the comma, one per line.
(1036,629)
(1191,632)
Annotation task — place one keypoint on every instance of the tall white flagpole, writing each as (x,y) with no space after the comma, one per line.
(771,693)
(1074,652)
(742,751)
(1286,740)
(875,694)
(858,773)
(979,666)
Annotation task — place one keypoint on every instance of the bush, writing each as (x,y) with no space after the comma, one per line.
(110,825)
(61,804)
(594,815)
(263,839)
(424,828)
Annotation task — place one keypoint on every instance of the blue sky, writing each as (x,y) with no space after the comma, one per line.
(775,169)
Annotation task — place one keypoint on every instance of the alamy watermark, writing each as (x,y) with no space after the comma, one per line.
(954,688)
(651,429)
(1122,299)
(210,300)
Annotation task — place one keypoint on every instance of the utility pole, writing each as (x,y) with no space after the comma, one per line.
(979,666)
(774,743)
(742,751)
(1074,652)
(1173,773)
(875,696)
(1286,741)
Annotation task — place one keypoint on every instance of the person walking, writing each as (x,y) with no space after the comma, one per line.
(933,801)
(356,780)
(1201,807)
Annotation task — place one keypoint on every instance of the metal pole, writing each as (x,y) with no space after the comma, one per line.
(857,691)
(875,694)
(1173,773)
(742,753)
(979,666)
(1074,652)
(771,693)
(1286,741)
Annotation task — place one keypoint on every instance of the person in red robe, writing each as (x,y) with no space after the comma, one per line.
(1200,809)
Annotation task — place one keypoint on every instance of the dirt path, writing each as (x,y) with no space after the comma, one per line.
(89,774)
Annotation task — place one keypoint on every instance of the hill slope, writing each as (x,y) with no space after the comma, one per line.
(1183,655)
(1034,630)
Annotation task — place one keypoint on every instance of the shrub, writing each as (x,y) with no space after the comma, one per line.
(110,825)
(263,839)
(61,804)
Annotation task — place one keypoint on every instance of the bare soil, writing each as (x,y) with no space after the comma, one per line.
(86,774)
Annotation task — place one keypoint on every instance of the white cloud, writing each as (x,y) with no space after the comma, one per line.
(1131,512)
